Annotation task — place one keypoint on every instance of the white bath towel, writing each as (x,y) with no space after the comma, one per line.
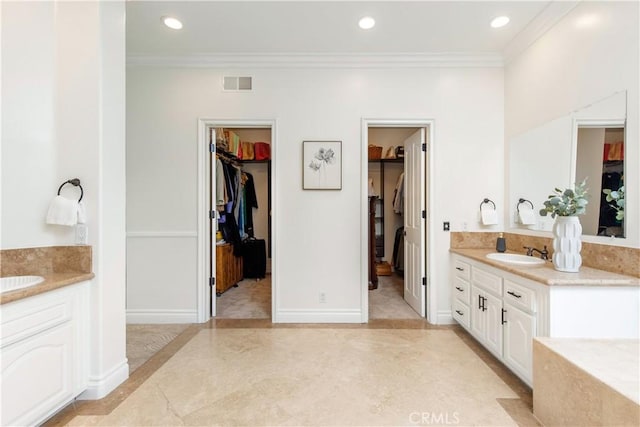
(489,216)
(82,213)
(63,211)
(527,216)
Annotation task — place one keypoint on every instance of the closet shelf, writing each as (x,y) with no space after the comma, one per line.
(400,160)
(255,161)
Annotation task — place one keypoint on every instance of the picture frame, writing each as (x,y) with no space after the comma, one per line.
(322,165)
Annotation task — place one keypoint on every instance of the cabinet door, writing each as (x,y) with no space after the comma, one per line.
(477,314)
(518,341)
(224,254)
(493,326)
(37,376)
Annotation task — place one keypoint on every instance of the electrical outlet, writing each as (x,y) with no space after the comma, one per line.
(465,226)
(82,234)
(322,297)
(446,226)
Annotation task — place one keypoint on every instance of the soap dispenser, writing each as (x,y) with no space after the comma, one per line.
(501,245)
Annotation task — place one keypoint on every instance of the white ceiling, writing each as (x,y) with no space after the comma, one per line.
(326,27)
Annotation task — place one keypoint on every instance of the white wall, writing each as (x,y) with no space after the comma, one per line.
(318,232)
(29,172)
(63,117)
(589,55)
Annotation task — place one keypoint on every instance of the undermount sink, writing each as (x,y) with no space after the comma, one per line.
(515,259)
(13,283)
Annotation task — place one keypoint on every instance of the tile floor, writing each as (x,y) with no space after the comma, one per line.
(143,341)
(242,370)
(252,372)
(387,301)
(251,299)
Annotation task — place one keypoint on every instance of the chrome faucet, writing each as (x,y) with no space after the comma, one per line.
(544,253)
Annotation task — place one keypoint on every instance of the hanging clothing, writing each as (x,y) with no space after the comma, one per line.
(227,223)
(221,190)
(398,195)
(613,181)
(251,201)
(398,250)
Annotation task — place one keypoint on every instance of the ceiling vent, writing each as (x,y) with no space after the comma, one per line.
(237,84)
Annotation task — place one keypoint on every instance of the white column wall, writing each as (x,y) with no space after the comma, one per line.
(63,117)
(29,172)
(590,54)
(318,232)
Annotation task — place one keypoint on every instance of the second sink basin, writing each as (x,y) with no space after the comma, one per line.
(515,259)
(13,283)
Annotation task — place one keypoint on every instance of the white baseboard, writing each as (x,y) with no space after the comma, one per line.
(318,316)
(444,317)
(100,386)
(162,316)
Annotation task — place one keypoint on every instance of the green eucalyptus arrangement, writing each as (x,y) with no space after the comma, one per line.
(569,202)
(618,198)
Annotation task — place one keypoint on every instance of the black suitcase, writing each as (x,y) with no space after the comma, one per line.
(254,258)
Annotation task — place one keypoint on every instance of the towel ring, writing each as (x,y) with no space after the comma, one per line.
(521,201)
(75,182)
(487,201)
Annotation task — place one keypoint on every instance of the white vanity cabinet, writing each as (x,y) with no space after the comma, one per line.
(461,292)
(486,309)
(519,327)
(503,314)
(44,350)
(508,310)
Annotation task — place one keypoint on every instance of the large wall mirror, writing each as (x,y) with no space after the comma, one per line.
(587,143)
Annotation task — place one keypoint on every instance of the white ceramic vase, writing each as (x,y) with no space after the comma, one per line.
(567,243)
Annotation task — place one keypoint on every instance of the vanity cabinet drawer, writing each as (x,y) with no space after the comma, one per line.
(461,313)
(34,315)
(461,269)
(487,281)
(519,296)
(461,290)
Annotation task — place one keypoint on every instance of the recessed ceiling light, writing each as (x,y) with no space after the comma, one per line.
(367,23)
(500,21)
(586,21)
(172,22)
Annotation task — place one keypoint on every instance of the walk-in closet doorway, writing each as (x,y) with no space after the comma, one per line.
(236,248)
(397,224)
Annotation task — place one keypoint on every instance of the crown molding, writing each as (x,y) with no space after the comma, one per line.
(543,22)
(261,60)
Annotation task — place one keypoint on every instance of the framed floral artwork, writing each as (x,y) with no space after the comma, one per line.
(322,165)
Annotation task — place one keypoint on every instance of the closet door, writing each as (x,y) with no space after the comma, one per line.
(414,205)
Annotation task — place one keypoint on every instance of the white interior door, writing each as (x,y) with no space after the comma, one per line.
(414,206)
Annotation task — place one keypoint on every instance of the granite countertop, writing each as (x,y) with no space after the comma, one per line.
(547,275)
(51,281)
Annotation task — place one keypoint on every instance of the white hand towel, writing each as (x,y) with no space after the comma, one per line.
(527,216)
(63,211)
(82,213)
(489,216)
